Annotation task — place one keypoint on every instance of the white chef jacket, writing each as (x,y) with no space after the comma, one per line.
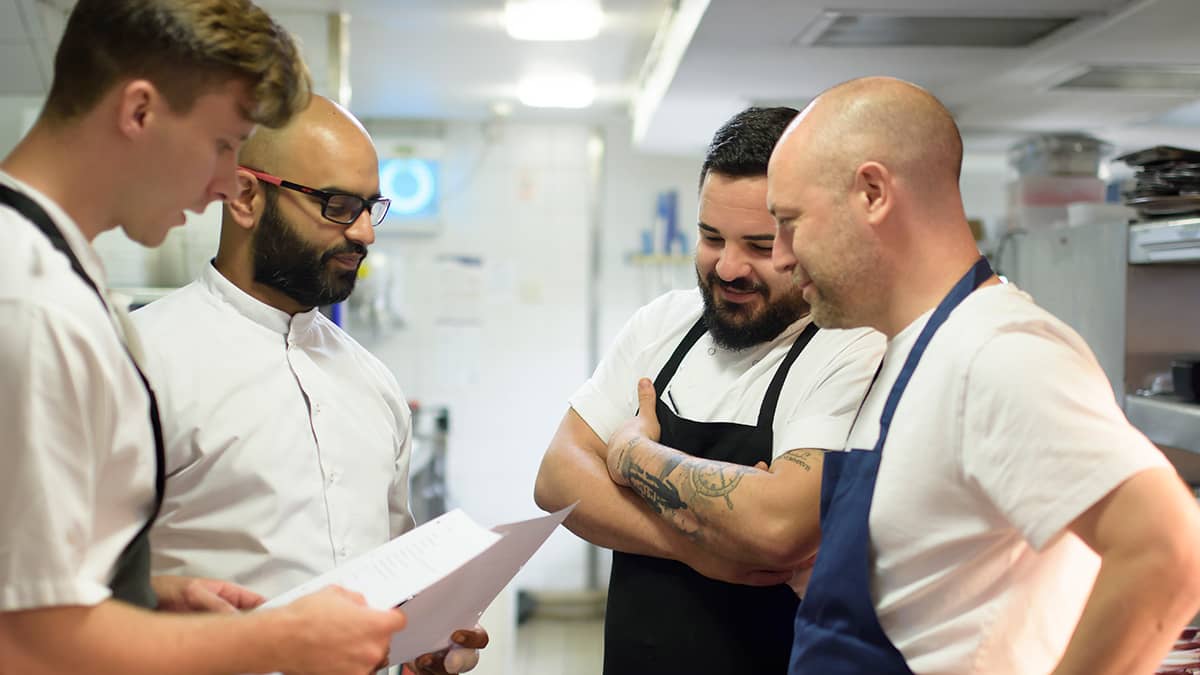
(78,450)
(1007,432)
(822,392)
(287,442)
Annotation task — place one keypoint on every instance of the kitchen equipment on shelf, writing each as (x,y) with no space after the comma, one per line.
(1185,376)
(1167,182)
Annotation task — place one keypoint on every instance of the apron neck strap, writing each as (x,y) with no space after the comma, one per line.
(980,272)
(766,414)
(685,346)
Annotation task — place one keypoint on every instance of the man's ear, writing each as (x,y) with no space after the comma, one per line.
(137,107)
(246,204)
(874,192)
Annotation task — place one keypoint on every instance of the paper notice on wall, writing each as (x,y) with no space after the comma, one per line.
(458,288)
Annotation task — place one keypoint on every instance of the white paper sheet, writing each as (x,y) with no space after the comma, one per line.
(398,570)
(445,572)
(458,599)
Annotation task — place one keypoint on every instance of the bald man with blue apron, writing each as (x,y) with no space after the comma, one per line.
(837,631)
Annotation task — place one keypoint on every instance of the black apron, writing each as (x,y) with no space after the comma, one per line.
(664,618)
(131,577)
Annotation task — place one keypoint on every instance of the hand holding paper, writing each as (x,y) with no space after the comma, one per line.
(459,657)
(445,573)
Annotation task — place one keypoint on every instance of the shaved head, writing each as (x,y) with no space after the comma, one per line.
(895,123)
(324,127)
(864,189)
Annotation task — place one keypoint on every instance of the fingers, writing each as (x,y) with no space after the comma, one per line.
(202,599)
(396,620)
(464,653)
(461,659)
(346,594)
(473,638)
(391,621)
(383,663)
(646,399)
(762,466)
(239,596)
(431,663)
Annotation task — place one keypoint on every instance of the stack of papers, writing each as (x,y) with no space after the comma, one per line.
(444,573)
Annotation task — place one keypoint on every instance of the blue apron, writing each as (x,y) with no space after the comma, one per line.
(836,629)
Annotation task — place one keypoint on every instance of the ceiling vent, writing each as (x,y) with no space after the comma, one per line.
(1144,79)
(890,29)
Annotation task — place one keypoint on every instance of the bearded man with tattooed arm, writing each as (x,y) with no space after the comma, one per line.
(709,522)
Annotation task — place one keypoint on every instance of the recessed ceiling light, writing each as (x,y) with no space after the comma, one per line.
(894,29)
(1148,79)
(553,19)
(557,91)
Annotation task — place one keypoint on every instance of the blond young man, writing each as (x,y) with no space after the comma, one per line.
(150,102)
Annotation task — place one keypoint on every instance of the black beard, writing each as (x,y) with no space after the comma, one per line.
(749,331)
(284,261)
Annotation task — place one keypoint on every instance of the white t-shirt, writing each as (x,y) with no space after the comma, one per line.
(287,442)
(816,407)
(78,448)
(1006,433)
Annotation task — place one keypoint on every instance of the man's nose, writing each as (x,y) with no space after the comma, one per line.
(361,230)
(224,181)
(783,258)
(732,264)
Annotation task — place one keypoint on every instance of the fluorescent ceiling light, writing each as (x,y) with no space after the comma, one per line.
(553,19)
(557,91)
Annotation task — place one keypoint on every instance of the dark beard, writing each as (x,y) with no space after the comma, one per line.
(733,328)
(284,261)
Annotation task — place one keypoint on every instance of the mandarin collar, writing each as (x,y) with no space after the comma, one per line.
(271,318)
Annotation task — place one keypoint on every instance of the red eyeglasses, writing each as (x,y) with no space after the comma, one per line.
(338,207)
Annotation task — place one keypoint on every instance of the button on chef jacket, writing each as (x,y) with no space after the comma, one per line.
(287,442)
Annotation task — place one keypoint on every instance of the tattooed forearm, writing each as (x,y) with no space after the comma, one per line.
(659,493)
(670,464)
(801,457)
(715,479)
(679,487)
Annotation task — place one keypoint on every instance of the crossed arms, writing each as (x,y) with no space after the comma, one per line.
(749,525)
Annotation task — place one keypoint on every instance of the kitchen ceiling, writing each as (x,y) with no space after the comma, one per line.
(443,59)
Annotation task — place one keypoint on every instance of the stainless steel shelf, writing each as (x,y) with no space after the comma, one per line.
(1165,421)
(1167,241)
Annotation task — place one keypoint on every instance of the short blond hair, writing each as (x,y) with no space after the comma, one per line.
(185,48)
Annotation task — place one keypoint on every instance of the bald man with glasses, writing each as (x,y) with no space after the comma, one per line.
(287,443)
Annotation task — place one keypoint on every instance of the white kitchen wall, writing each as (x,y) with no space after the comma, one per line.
(506,356)
(17,114)
(983,185)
